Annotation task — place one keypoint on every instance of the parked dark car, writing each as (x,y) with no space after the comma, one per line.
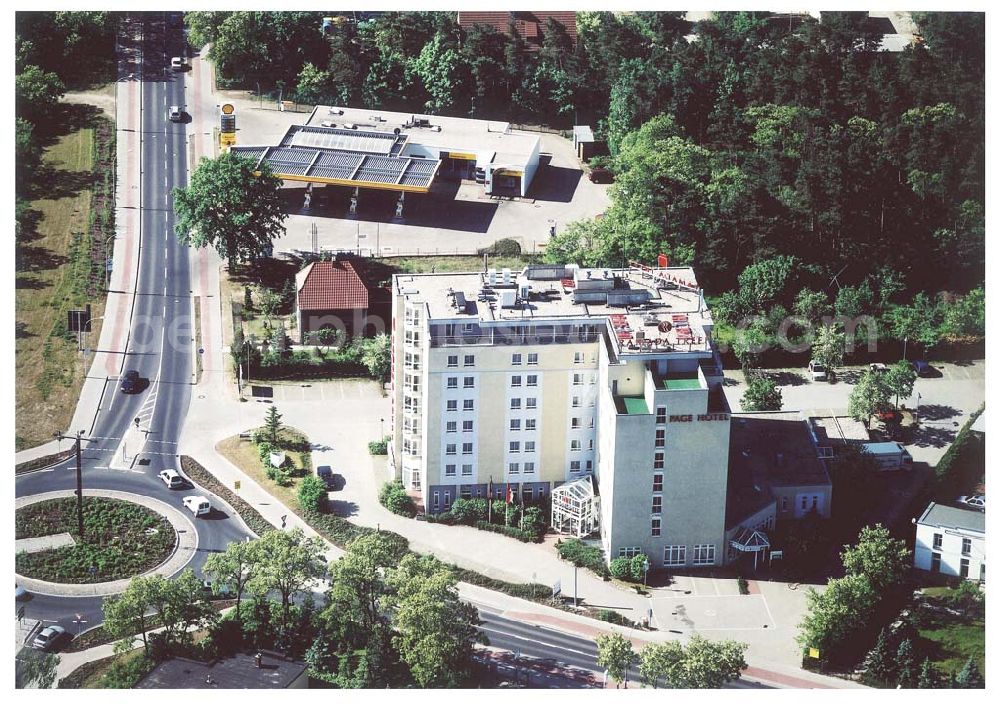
(601,175)
(922,368)
(130,382)
(325,472)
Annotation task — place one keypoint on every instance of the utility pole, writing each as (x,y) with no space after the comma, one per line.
(79,476)
(576,600)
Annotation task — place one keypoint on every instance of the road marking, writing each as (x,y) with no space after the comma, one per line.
(769,615)
(535,641)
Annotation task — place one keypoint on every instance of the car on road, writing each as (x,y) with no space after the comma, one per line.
(221,592)
(178,64)
(601,175)
(49,637)
(325,472)
(175,113)
(921,367)
(975,501)
(198,505)
(172,479)
(878,367)
(130,382)
(817,372)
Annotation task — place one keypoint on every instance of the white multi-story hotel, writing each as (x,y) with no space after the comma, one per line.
(540,378)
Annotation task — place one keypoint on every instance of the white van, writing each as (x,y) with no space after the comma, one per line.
(817,372)
(198,505)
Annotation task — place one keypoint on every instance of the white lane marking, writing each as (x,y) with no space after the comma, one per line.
(536,641)
(769,614)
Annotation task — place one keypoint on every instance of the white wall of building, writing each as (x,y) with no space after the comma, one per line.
(950,550)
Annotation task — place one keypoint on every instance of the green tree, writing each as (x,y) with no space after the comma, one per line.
(928,678)
(272,425)
(661,662)
(749,343)
(376,355)
(289,561)
(869,396)
(614,654)
(312,84)
(126,614)
(268,301)
(969,677)
(312,493)
(37,669)
(437,66)
(231,204)
(906,665)
(327,336)
(966,317)
(36,94)
(811,305)
(435,630)
(829,345)
(393,496)
(232,571)
(883,560)
(900,379)
(359,577)
(709,664)
(27,155)
(836,615)
(762,394)
(880,665)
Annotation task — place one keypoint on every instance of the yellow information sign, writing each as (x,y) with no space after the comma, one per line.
(236,484)
(227,139)
(814,653)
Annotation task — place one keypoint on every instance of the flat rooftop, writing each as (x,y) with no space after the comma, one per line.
(775,449)
(238,671)
(943,516)
(837,430)
(645,310)
(492,142)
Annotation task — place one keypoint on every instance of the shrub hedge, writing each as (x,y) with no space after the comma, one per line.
(582,555)
(251,516)
(42,462)
(393,496)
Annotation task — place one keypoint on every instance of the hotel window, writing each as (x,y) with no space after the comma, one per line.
(515,381)
(578,380)
(532,358)
(452,405)
(513,468)
(658,460)
(466,426)
(449,449)
(574,445)
(629,552)
(590,402)
(963,568)
(468,405)
(515,359)
(654,527)
(532,380)
(470,382)
(515,404)
(703,555)
(529,446)
(966,546)
(574,423)
(938,537)
(593,379)
(437,501)
(590,423)
(805,502)
(515,446)
(576,402)
(447,500)
(466,470)
(466,492)
(449,470)
(453,382)
(529,493)
(784,503)
(661,437)
(529,467)
(470,360)
(453,360)
(451,426)
(466,448)
(531,403)
(658,482)
(515,423)
(674,555)
(468,328)
(590,465)
(590,444)
(574,466)
(657,504)
(529,424)
(661,415)
(578,358)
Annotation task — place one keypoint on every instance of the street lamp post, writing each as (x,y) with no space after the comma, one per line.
(79,476)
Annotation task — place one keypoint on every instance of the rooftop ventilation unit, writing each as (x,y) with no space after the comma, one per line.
(506,277)
(491,277)
(336,111)
(350,126)
(436,128)
(525,291)
(508,299)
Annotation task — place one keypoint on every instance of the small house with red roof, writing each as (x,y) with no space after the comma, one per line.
(530,26)
(334,294)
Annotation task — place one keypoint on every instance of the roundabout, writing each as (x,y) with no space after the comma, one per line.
(154,516)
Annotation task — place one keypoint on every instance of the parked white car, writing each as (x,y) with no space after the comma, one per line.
(817,372)
(172,479)
(975,501)
(48,637)
(198,505)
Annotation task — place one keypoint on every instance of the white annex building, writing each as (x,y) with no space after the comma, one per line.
(952,541)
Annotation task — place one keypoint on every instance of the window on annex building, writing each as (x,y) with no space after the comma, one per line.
(703,555)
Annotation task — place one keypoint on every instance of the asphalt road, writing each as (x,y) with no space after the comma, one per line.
(159,344)
(543,648)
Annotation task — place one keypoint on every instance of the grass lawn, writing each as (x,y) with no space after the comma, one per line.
(948,639)
(116,543)
(243,453)
(52,266)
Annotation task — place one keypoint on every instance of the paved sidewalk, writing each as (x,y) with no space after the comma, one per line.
(43,543)
(187,544)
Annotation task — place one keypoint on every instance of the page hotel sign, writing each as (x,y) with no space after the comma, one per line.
(688,418)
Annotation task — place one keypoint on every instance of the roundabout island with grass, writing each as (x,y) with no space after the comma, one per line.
(120,539)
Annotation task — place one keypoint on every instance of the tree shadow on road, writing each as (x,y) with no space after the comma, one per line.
(344,509)
(931,436)
(786,378)
(936,411)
